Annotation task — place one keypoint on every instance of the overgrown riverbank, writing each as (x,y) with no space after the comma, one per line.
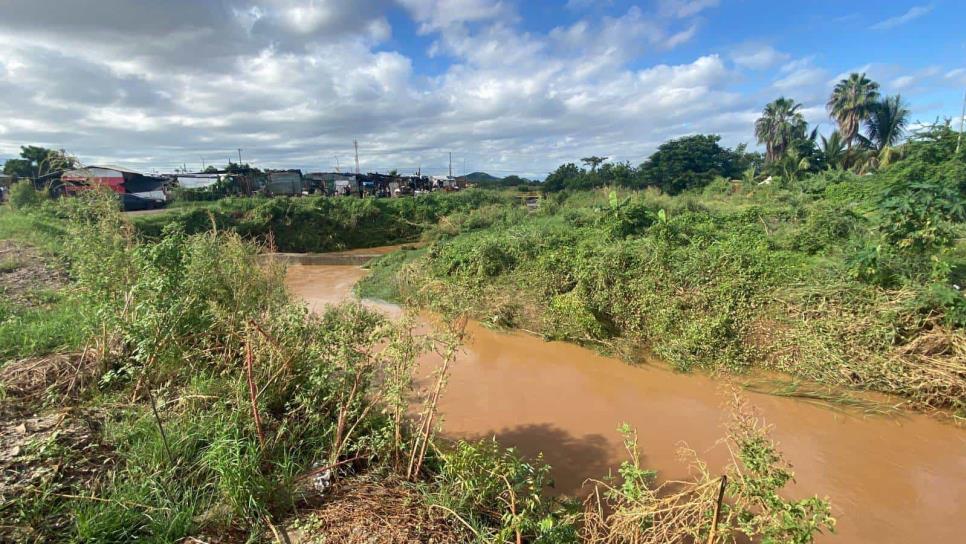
(842,279)
(319,224)
(204,402)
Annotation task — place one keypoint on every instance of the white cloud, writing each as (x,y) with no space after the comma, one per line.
(902,82)
(912,14)
(802,78)
(758,57)
(441,14)
(293,83)
(684,8)
(957,76)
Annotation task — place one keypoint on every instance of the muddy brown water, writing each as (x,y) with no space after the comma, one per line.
(890,478)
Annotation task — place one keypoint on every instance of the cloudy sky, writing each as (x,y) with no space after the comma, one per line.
(507,86)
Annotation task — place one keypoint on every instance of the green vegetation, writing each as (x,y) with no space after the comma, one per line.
(313,223)
(51,324)
(209,404)
(37,161)
(834,277)
(677,165)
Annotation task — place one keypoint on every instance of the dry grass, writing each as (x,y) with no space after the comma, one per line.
(659,517)
(849,339)
(35,378)
(361,510)
(741,505)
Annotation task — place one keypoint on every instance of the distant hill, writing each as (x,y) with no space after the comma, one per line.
(477,177)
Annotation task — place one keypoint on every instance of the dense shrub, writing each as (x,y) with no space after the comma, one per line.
(723,278)
(313,223)
(24,196)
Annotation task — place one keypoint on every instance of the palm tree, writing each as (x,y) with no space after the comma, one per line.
(794,164)
(887,122)
(833,150)
(851,103)
(779,125)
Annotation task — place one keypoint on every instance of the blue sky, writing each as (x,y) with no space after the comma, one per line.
(507,86)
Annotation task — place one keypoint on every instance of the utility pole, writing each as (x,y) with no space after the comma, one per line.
(450,164)
(355,144)
(203,164)
(239,156)
(338,169)
(962,118)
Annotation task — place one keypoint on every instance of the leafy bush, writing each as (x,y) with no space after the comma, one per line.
(23,195)
(826,226)
(755,508)
(494,487)
(320,223)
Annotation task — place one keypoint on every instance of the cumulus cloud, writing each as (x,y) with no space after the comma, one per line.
(758,57)
(910,15)
(441,14)
(292,83)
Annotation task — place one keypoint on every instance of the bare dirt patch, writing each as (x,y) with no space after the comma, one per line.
(25,271)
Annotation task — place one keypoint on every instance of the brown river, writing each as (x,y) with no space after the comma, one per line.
(890,478)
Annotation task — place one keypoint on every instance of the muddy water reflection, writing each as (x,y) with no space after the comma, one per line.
(891,479)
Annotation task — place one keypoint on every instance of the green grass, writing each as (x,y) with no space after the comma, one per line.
(380,283)
(9,264)
(57,326)
(38,229)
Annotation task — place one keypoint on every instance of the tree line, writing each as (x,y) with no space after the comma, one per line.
(870,129)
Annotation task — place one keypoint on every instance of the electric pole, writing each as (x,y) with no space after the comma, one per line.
(450,164)
(962,118)
(338,169)
(239,157)
(355,144)
(203,164)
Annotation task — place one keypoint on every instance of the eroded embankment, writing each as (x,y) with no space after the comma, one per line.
(891,479)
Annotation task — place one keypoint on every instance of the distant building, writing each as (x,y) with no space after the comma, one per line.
(331,183)
(284,182)
(138,190)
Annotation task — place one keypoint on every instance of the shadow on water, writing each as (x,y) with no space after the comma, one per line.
(570,457)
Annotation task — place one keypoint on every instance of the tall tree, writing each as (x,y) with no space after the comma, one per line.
(780,124)
(887,122)
(689,162)
(851,103)
(38,161)
(593,162)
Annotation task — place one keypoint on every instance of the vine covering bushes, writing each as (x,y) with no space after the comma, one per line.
(208,404)
(844,279)
(314,223)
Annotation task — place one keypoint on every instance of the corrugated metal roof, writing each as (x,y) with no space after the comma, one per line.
(121,169)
